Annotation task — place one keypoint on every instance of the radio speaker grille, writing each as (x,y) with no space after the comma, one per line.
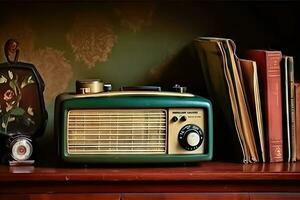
(111,131)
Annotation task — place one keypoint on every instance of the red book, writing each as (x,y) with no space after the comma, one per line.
(268,67)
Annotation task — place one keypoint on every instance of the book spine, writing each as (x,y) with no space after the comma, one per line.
(292,106)
(273,103)
(287,147)
(297,117)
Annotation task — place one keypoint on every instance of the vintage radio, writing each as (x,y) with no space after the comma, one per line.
(144,126)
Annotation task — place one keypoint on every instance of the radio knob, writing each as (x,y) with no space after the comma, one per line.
(180,89)
(183,118)
(193,139)
(89,86)
(190,137)
(174,119)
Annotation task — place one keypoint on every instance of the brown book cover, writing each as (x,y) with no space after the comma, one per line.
(229,144)
(297,100)
(268,65)
(251,82)
(224,82)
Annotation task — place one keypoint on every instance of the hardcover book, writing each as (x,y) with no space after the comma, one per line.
(268,65)
(249,71)
(224,82)
(297,121)
(288,89)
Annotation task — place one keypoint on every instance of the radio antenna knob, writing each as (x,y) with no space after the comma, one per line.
(107,87)
(180,89)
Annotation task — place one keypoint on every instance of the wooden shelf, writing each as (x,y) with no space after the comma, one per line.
(199,172)
(206,180)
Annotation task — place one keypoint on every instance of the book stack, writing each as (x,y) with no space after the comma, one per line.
(255,97)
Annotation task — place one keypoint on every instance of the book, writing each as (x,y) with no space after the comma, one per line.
(249,72)
(292,106)
(268,65)
(288,104)
(223,78)
(226,141)
(287,148)
(297,117)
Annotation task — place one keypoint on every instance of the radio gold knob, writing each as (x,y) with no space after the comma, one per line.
(89,86)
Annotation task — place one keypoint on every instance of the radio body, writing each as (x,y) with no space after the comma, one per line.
(134,127)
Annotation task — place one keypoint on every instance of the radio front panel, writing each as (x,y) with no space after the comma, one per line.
(188,126)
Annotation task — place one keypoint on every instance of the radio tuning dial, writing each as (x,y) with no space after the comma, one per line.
(190,137)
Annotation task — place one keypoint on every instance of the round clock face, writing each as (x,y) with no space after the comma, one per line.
(21,150)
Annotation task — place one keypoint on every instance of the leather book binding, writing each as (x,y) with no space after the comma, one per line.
(268,65)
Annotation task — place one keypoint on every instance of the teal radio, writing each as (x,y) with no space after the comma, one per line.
(134,125)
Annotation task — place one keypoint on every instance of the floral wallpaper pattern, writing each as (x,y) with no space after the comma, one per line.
(55,69)
(91,38)
(51,63)
(116,42)
(90,35)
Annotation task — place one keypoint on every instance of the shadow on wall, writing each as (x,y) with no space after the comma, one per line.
(182,68)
